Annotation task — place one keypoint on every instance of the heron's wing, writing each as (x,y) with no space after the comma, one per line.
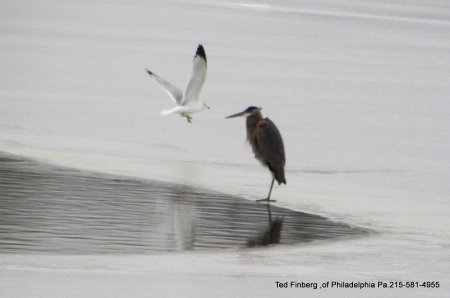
(271,148)
(173,91)
(198,76)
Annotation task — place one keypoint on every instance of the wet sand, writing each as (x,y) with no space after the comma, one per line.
(51,209)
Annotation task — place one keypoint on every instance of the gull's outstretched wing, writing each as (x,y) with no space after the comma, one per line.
(173,91)
(198,76)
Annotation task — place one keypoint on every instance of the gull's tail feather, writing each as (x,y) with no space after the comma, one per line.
(177,109)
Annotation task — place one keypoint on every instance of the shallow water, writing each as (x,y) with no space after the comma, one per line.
(44,208)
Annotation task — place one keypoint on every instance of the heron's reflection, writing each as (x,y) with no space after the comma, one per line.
(271,233)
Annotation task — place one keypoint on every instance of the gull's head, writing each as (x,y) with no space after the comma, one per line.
(252,110)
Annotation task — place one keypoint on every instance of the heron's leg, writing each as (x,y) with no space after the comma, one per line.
(189,119)
(271,186)
(270,192)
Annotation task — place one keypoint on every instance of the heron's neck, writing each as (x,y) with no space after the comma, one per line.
(252,121)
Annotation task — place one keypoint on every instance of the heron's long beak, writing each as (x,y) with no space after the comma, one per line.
(240,114)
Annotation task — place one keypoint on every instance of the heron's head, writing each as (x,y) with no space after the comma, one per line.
(252,110)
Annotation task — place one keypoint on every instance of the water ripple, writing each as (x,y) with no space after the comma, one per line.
(49,209)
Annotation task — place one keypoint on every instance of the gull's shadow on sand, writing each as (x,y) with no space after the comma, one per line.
(49,209)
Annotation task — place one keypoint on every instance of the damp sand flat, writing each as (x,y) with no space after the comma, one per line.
(49,209)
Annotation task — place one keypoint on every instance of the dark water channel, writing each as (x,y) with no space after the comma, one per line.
(50,209)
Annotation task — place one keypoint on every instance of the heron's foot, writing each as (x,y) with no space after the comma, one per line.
(266,200)
(189,119)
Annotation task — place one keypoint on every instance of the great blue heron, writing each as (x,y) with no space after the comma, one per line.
(266,142)
(187,102)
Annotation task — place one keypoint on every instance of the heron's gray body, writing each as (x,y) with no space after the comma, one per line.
(267,144)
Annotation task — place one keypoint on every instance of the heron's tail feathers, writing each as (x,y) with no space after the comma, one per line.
(281,179)
(279,175)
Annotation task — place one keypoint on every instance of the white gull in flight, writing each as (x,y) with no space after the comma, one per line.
(187,102)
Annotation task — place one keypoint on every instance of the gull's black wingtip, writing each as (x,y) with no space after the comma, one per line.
(149,72)
(201,52)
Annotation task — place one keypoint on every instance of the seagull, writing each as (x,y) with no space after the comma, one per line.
(187,102)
